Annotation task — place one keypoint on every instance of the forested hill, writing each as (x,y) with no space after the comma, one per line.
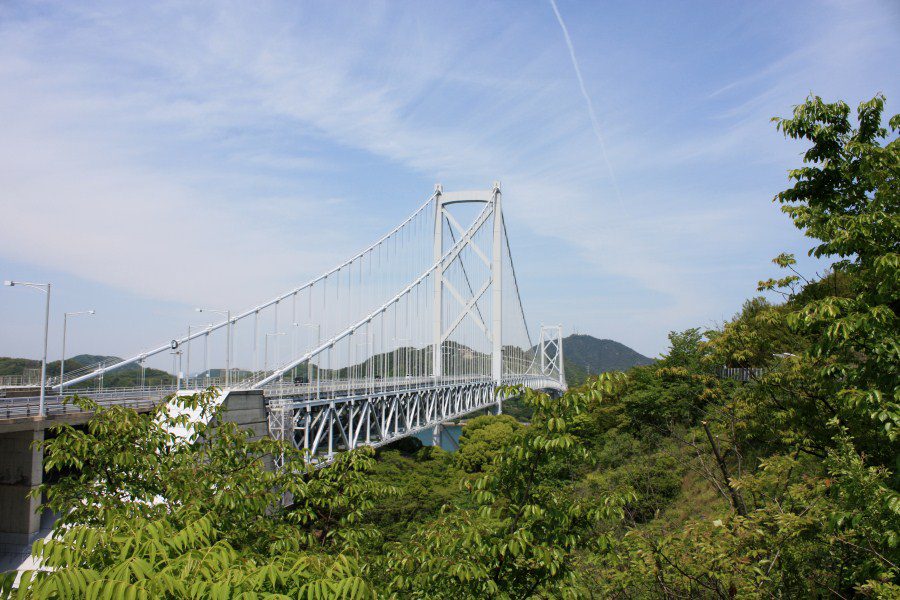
(125,376)
(586,355)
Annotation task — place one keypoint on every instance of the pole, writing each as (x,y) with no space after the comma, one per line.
(497,290)
(206,356)
(44,360)
(255,342)
(62,360)
(228,352)
(188,373)
(562,362)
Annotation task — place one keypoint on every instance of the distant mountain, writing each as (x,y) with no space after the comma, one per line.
(125,376)
(586,355)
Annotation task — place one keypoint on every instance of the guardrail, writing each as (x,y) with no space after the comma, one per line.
(329,388)
(19,381)
(140,398)
(740,373)
(29,406)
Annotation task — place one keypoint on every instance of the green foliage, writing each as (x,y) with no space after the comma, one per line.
(522,538)
(426,481)
(805,453)
(146,512)
(481,438)
(516,408)
(685,350)
(652,482)
(154,558)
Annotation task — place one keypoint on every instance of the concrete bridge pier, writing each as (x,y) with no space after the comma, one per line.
(22,466)
(436,434)
(21,471)
(247,408)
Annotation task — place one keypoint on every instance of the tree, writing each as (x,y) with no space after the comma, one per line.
(146,512)
(807,448)
(481,438)
(522,539)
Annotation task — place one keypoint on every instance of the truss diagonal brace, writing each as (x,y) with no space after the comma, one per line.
(459,228)
(478,319)
(466,310)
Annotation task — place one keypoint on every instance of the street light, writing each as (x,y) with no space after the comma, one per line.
(227,314)
(205,347)
(318,341)
(266,350)
(44,287)
(176,373)
(62,360)
(311,325)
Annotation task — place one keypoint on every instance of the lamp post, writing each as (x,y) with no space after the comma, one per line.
(176,372)
(206,355)
(406,349)
(62,359)
(368,342)
(205,345)
(318,328)
(266,350)
(227,314)
(44,287)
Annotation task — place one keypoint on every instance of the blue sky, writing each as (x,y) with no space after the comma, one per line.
(159,156)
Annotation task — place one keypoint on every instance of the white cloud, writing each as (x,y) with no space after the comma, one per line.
(168,140)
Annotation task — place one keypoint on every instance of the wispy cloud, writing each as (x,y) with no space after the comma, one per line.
(146,144)
(595,124)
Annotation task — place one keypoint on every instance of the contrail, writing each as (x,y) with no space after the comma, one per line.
(590,105)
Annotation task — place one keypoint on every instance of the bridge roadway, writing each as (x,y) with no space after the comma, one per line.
(23,413)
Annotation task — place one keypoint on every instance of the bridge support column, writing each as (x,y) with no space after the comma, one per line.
(437,317)
(247,408)
(436,434)
(497,290)
(497,298)
(21,471)
(281,424)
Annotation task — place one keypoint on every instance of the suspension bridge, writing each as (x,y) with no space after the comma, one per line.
(424,326)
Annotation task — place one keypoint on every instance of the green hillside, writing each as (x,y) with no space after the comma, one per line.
(586,355)
(126,376)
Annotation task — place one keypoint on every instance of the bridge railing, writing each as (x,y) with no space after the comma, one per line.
(54,406)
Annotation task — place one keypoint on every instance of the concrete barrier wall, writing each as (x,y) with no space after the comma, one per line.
(21,471)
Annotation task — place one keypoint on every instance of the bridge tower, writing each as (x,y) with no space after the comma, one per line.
(551,349)
(442,201)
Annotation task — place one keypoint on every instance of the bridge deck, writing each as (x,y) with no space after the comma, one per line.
(22,413)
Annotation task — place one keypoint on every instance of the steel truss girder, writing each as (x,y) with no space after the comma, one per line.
(325,426)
